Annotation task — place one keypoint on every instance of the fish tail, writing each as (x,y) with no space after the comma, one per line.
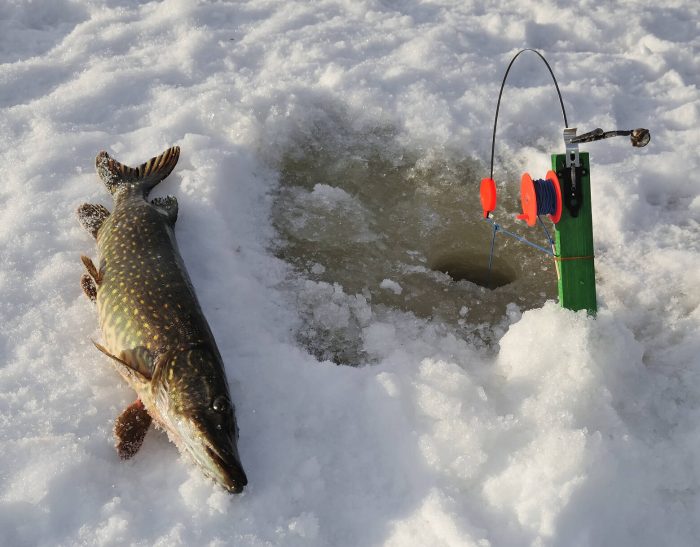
(143,177)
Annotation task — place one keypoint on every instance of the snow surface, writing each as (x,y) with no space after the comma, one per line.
(571,431)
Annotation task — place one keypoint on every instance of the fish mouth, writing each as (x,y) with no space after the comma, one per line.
(226,470)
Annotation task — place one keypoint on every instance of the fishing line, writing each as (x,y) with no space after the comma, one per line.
(498,228)
(546,232)
(546,197)
(544,193)
(500,93)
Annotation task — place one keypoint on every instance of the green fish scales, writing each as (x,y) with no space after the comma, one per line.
(146,298)
(153,326)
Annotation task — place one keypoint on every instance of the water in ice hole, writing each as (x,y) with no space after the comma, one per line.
(372,226)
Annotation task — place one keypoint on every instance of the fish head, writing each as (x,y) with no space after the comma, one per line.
(202,416)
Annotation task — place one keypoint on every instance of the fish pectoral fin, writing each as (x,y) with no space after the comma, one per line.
(140,359)
(130,429)
(131,371)
(91,217)
(159,366)
(167,206)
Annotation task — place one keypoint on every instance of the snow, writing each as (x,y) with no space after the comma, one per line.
(391,285)
(538,426)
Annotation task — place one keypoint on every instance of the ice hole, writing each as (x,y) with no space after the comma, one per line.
(374,227)
(462,266)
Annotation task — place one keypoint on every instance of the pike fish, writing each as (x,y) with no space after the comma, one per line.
(153,326)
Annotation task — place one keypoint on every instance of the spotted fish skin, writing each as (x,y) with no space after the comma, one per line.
(153,326)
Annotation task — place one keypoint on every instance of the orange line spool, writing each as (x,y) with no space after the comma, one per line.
(540,197)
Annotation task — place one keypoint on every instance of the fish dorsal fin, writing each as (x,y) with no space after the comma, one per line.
(144,177)
(168,206)
(92,216)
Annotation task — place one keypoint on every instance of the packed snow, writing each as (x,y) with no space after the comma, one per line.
(525,425)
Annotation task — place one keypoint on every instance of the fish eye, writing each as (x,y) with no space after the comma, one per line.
(220,404)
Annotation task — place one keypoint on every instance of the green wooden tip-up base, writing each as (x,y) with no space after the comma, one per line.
(574,245)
